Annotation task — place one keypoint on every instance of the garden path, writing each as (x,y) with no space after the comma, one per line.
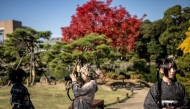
(135,102)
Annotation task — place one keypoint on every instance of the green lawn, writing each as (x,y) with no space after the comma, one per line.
(55,97)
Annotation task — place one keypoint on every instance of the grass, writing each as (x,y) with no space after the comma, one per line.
(55,97)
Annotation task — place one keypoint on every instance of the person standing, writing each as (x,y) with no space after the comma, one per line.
(19,93)
(84,95)
(167,93)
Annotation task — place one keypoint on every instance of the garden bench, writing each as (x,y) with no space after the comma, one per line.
(98,104)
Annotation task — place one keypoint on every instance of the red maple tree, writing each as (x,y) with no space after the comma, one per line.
(97,17)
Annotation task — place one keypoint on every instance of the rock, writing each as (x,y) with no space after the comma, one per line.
(50,78)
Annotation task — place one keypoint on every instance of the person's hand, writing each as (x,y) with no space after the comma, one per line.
(73,77)
(172,107)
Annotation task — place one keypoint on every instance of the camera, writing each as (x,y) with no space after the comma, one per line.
(67,78)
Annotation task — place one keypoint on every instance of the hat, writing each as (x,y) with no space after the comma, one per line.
(87,70)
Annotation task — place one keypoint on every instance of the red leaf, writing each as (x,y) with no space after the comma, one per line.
(98,17)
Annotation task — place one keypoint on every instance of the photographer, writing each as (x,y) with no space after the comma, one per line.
(167,93)
(84,95)
(20,96)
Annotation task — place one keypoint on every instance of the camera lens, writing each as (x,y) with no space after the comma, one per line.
(67,78)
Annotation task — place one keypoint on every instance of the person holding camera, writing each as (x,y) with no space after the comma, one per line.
(84,95)
(167,93)
(20,96)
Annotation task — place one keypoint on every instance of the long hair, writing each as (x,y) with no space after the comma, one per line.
(16,76)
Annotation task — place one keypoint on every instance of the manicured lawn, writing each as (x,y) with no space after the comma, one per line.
(46,96)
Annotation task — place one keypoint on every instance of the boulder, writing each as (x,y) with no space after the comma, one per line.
(50,78)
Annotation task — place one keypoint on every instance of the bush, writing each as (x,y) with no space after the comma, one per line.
(185,81)
(120,77)
(114,76)
(153,57)
(108,75)
(111,75)
(187,88)
(140,66)
(3,80)
(135,76)
(1,83)
(127,76)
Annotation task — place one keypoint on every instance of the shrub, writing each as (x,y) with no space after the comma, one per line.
(185,81)
(1,83)
(135,76)
(114,76)
(153,57)
(120,77)
(123,72)
(151,75)
(111,75)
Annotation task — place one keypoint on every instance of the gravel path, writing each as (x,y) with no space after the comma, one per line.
(135,102)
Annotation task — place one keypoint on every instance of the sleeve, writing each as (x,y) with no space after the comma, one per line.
(86,88)
(18,93)
(151,99)
(31,106)
(186,102)
(15,92)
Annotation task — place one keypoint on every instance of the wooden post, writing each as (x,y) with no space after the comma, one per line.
(127,95)
(132,90)
(117,100)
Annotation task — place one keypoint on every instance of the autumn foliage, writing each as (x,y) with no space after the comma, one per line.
(97,17)
(185,45)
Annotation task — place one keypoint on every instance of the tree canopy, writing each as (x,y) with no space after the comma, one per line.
(176,19)
(97,17)
(185,45)
(21,46)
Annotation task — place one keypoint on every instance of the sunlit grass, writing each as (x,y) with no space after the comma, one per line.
(55,97)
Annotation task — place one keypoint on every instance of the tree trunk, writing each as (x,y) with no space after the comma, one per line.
(2,81)
(97,65)
(33,66)
(80,65)
(30,81)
